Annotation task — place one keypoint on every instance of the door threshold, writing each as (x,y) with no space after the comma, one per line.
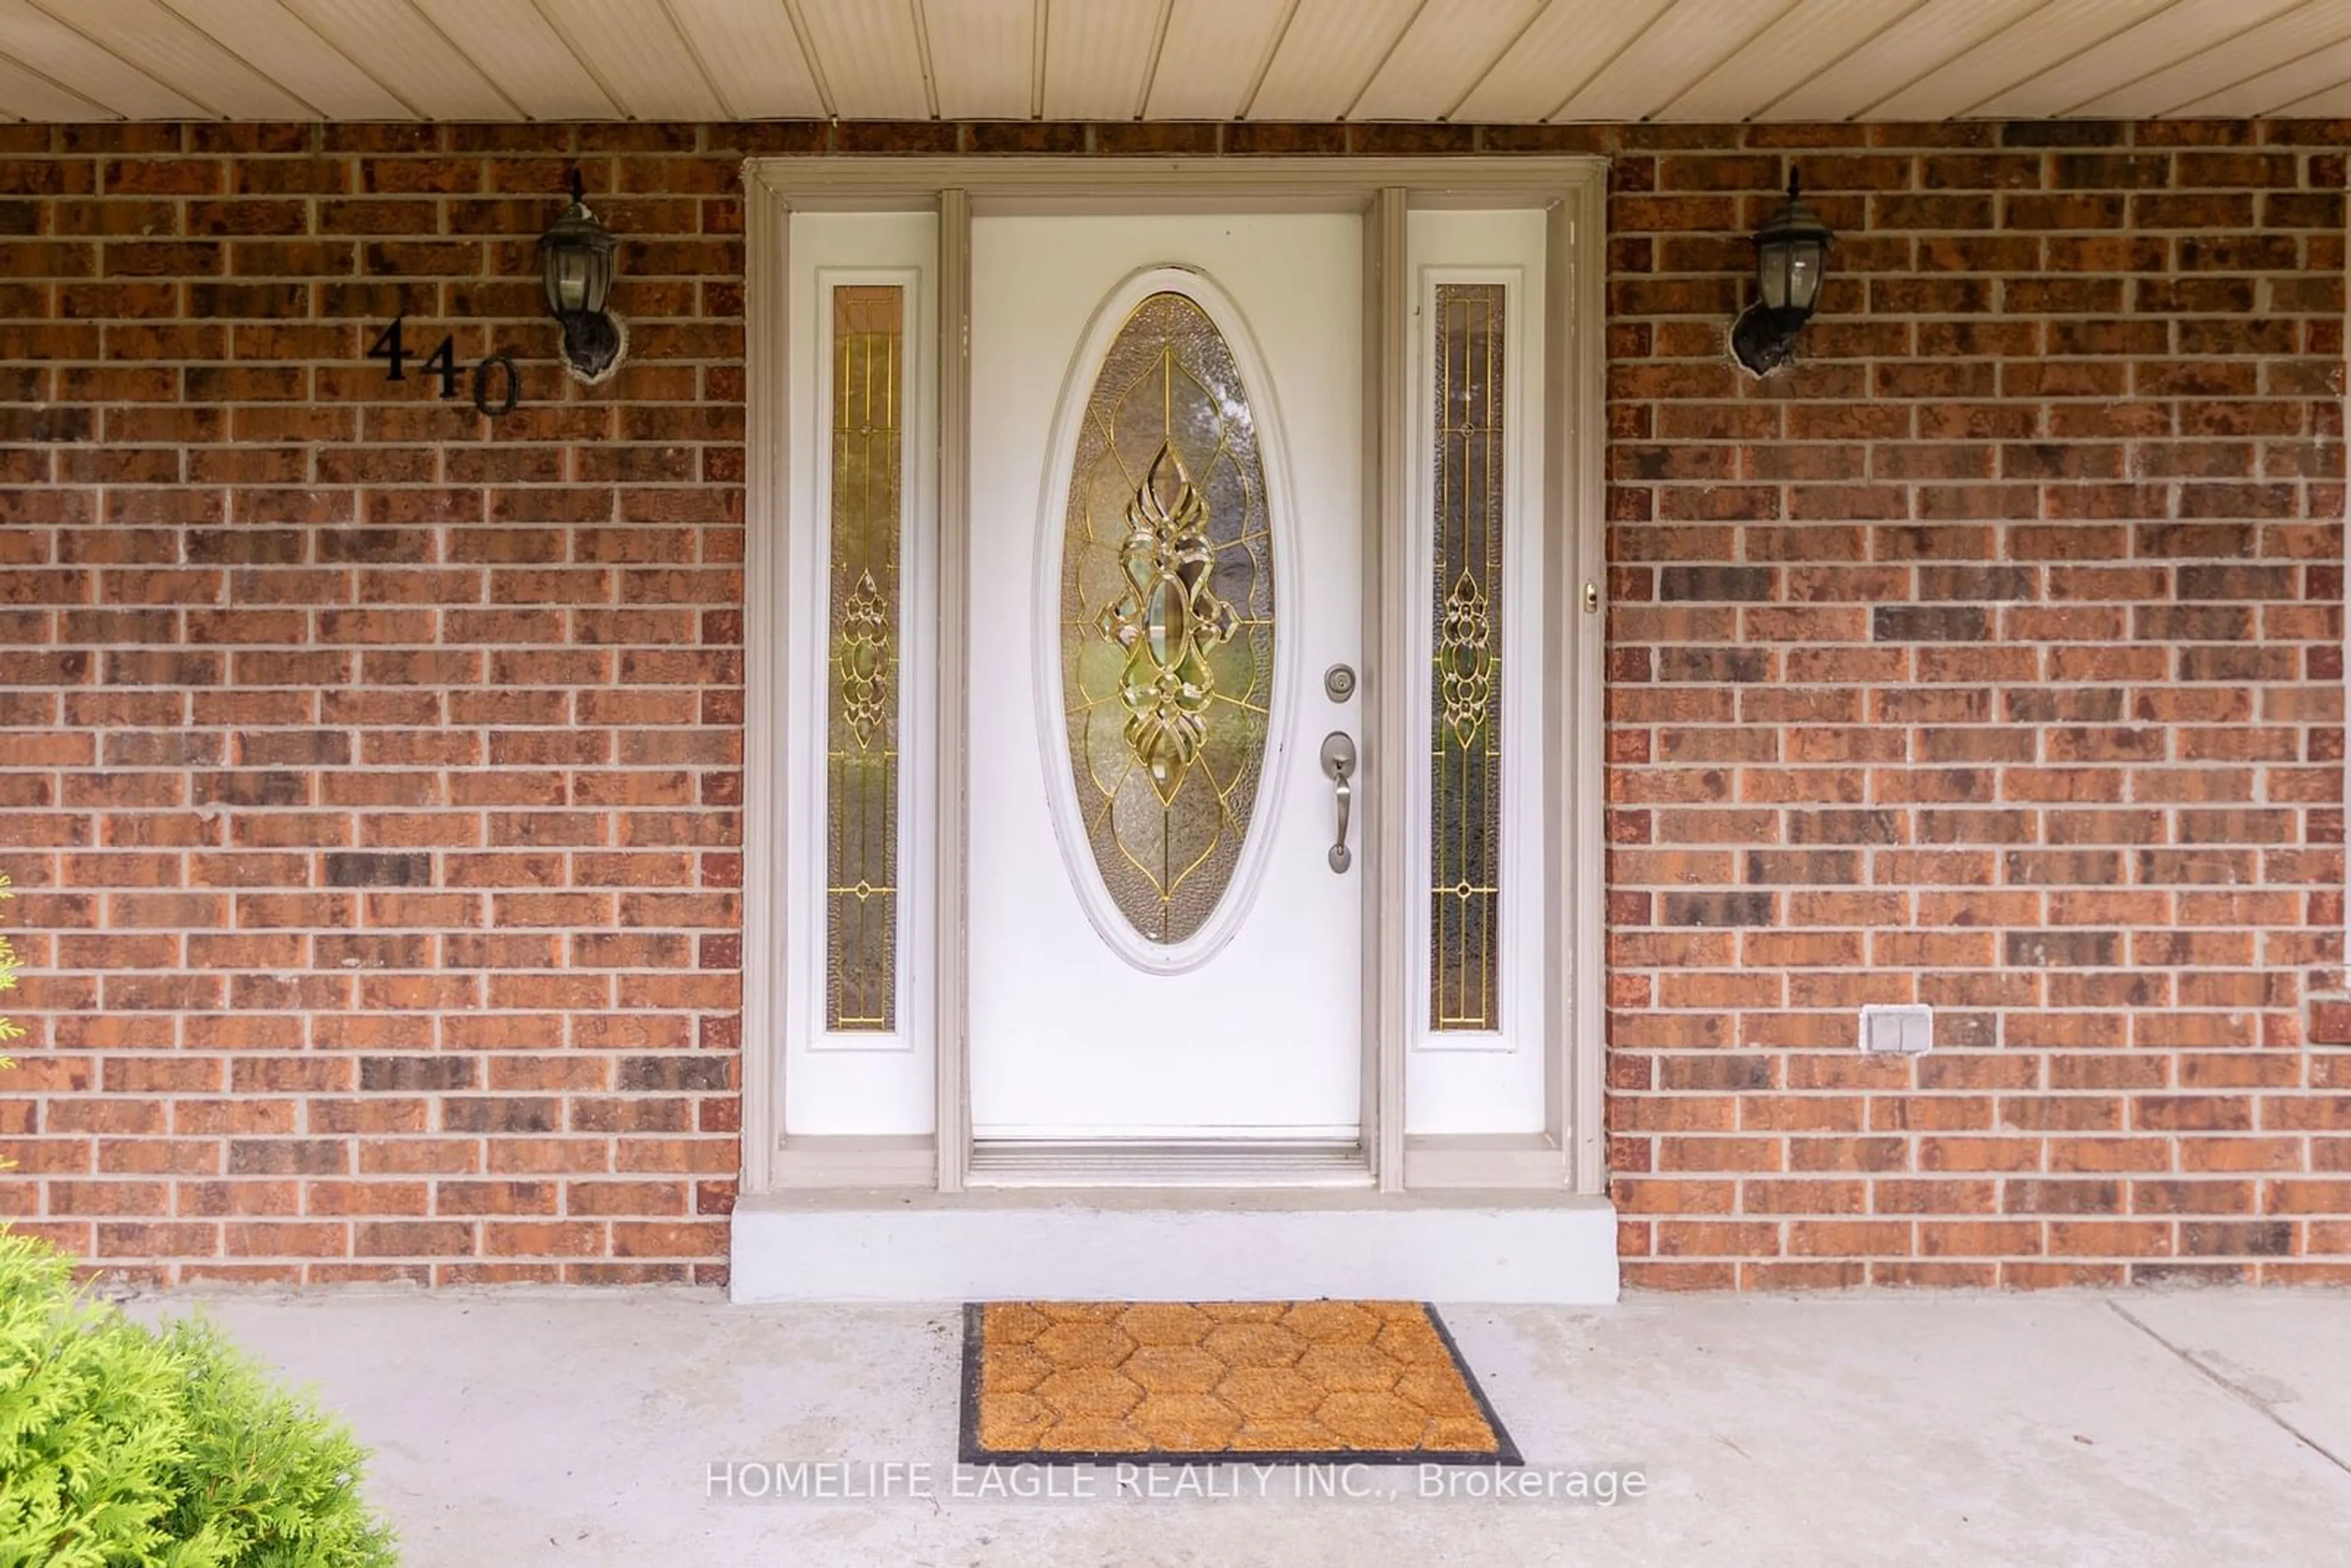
(1174,1162)
(1195,1244)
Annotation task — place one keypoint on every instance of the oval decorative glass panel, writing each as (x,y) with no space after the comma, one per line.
(1167,618)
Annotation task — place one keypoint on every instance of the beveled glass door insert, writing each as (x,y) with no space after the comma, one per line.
(1167,618)
(862,716)
(1465,849)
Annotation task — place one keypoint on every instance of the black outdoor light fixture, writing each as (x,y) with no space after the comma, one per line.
(1791,253)
(577,254)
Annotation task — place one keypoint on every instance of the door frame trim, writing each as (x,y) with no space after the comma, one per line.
(1569,1156)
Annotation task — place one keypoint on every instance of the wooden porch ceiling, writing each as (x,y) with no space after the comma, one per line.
(1489,60)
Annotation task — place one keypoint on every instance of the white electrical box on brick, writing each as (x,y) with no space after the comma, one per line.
(1908,1030)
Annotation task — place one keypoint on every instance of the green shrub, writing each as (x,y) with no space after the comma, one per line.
(121,1447)
(8,1029)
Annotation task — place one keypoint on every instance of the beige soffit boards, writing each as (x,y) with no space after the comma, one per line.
(1493,60)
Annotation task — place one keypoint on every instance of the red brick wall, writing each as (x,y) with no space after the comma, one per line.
(1992,659)
(371,769)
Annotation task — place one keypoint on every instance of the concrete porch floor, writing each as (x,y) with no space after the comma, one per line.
(2144,1428)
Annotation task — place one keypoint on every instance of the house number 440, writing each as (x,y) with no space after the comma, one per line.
(442,362)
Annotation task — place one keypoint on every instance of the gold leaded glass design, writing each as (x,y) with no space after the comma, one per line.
(1167,618)
(1466,688)
(862,704)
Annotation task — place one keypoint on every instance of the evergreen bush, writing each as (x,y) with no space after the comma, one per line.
(9,1030)
(122,1448)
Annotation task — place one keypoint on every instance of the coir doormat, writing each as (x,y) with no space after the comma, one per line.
(1263,1381)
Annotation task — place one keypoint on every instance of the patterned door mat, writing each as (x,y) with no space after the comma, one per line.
(1266,1382)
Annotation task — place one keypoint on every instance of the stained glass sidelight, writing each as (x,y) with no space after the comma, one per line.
(862,716)
(1466,686)
(1167,618)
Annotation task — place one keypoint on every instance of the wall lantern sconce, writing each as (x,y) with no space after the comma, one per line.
(576,253)
(1791,253)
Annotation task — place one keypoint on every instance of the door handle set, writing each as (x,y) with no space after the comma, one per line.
(1339,763)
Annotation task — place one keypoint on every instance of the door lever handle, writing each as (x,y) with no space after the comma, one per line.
(1338,762)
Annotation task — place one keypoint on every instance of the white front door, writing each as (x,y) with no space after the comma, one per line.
(1165,563)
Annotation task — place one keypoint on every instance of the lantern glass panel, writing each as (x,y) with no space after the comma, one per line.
(1803,274)
(578,275)
(1771,274)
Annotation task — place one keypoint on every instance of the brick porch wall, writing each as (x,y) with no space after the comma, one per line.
(372,766)
(1992,659)
(370,770)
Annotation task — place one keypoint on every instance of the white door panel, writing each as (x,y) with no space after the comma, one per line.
(1077,1026)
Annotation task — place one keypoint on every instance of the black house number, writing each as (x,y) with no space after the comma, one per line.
(497,368)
